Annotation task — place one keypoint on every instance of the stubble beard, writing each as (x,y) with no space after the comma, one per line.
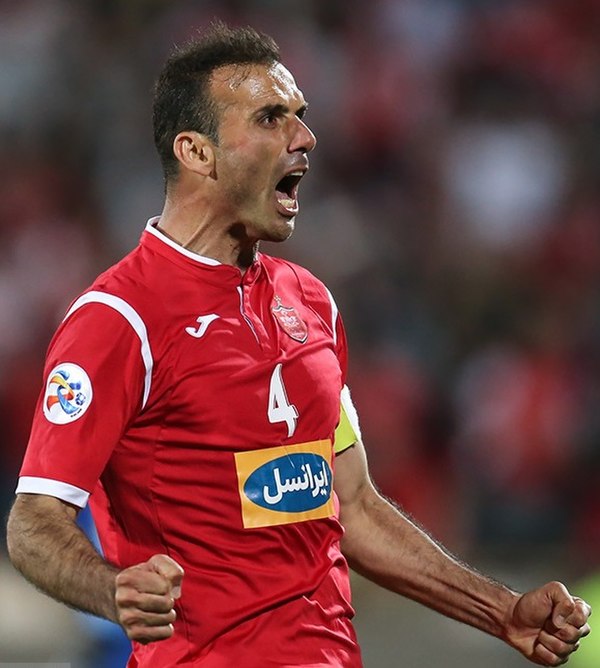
(261,221)
(282,231)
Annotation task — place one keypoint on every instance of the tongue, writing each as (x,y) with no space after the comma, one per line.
(286,201)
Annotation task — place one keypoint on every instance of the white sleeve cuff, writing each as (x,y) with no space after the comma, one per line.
(61,490)
(346,401)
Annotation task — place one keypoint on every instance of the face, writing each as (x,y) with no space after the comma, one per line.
(263,146)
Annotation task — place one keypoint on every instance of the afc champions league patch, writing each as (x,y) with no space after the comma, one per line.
(290,322)
(290,483)
(68,393)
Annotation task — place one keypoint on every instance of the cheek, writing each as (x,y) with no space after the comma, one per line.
(250,171)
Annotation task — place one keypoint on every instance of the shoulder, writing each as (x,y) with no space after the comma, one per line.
(124,293)
(130,277)
(278,267)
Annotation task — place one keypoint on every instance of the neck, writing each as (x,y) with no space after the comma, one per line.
(202,231)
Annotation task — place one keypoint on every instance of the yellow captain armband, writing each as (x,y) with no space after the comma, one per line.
(347,432)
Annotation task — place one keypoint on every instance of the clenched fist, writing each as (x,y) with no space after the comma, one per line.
(145,597)
(546,624)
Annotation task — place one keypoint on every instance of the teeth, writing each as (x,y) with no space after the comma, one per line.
(287,202)
(298,173)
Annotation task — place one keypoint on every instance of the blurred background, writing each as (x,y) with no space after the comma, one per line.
(453,208)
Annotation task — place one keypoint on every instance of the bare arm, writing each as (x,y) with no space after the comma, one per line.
(50,550)
(382,544)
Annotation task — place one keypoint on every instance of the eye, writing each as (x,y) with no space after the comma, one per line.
(270,119)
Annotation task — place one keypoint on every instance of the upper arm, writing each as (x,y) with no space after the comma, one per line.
(351,468)
(352,481)
(95,374)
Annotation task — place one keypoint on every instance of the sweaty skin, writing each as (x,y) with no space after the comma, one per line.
(47,546)
(222,203)
(381,543)
(224,200)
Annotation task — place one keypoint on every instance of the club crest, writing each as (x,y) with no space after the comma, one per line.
(290,322)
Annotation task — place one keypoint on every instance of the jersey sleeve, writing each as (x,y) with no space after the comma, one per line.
(96,380)
(339,337)
(347,432)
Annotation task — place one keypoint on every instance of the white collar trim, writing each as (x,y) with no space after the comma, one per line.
(152,229)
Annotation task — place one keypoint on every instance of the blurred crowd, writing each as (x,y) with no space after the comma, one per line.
(453,208)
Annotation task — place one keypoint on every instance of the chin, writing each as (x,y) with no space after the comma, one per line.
(281,231)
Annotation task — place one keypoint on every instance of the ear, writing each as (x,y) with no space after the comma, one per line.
(195,152)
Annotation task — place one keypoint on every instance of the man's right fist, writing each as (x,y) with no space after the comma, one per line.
(145,598)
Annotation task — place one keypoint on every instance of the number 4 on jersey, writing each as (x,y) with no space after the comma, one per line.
(280,409)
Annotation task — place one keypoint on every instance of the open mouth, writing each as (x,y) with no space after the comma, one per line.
(286,192)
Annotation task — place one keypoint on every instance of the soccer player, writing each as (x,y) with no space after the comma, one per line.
(195,394)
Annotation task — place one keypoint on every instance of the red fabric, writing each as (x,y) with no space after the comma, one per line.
(168,476)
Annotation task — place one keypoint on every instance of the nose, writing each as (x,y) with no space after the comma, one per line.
(303,139)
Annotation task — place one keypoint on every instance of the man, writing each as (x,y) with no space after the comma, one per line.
(194,392)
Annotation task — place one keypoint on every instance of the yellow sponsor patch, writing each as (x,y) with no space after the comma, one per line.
(290,483)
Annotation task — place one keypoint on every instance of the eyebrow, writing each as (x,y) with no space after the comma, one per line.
(302,110)
(281,109)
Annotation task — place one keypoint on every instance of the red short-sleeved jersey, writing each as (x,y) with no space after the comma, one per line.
(198,408)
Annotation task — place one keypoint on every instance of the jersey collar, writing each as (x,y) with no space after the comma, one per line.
(151,228)
(191,259)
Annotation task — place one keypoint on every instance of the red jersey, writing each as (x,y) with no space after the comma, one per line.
(198,409)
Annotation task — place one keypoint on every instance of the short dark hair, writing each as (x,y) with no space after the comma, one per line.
(182,99)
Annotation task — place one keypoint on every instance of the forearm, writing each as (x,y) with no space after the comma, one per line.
(48,548)
(386,547)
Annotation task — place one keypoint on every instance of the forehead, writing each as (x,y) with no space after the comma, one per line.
(255,86)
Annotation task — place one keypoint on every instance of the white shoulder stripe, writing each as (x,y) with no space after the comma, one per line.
(60,490)
(334,315)
(132,317)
